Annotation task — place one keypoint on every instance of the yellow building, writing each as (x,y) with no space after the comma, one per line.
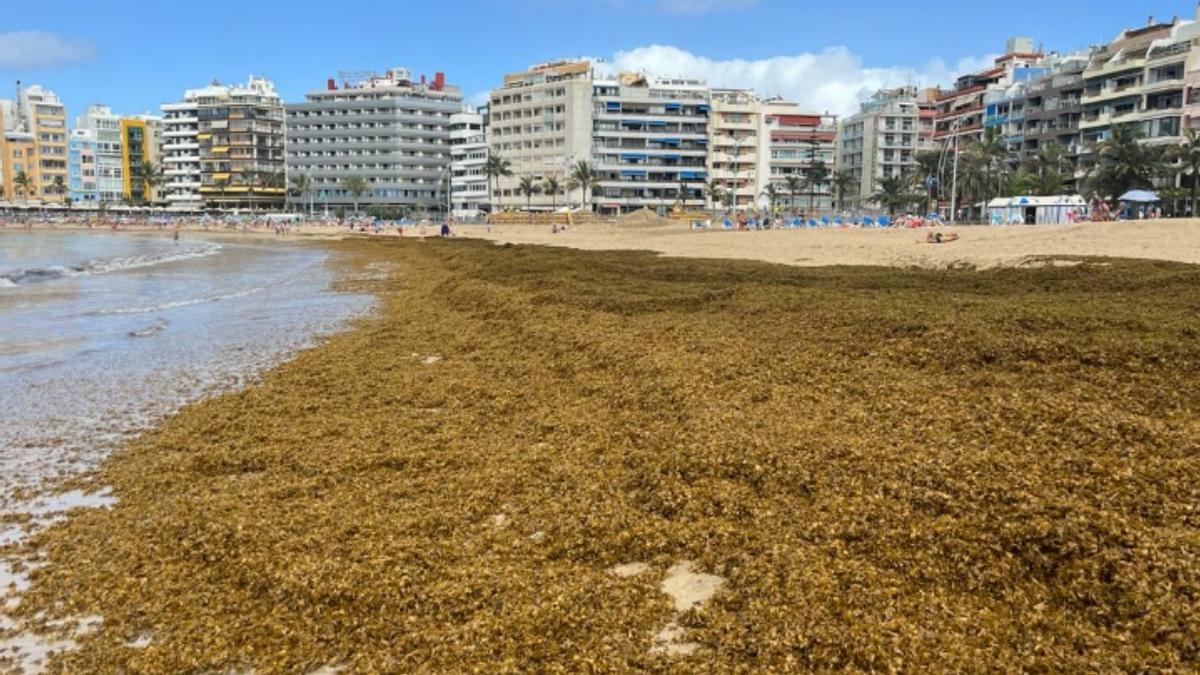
(141,137)
(16,151)
(34,143)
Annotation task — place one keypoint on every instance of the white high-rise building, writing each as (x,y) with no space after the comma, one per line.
(181,155)
(650,142)
(468,162)
(104,128)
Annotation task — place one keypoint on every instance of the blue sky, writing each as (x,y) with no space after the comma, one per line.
(135,56)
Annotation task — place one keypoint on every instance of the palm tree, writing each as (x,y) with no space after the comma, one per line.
(357,186)
(222,186)
(684,192)
(1188,154)
(495,168)
(551,187)
(818,173)
(584,178)
(1022,182)
(24,182)
(1050,166)
(303,185)
(152,177)
(843,181)
(793,182)
(1125,163)
(991,153)
(895,192)
(529,187)
(713,191)
(59,185)
(772,194)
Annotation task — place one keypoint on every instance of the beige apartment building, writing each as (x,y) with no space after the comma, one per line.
(541,122)
(735,159)
(880,141)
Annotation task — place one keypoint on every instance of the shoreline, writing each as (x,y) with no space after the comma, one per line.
(45,483)
(525,454)
(978,246)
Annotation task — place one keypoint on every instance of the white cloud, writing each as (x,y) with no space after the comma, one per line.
(834,80)
(35,48)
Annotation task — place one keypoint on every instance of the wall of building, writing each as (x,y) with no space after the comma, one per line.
(388,130)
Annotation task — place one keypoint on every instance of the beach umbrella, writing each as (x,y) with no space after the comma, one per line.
(1140,196)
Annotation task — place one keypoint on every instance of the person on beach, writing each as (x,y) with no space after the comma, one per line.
(939,238)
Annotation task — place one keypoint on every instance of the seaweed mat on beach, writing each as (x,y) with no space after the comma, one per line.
(884,470)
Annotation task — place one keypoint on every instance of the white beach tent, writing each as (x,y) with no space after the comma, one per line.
(1031,210)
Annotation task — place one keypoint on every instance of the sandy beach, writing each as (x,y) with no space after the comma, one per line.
(979,246)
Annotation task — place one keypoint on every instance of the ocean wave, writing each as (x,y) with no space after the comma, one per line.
(174,304)
(149,330)
(104,266)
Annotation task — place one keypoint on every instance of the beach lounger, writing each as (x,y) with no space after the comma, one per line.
(728,224)
(885,221)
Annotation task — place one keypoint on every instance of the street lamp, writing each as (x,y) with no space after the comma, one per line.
(954,126)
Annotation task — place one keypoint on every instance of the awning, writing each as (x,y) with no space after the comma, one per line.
(613,105)
(1140,196)
(657,123)
(692,174)
(669,141)
(674,106)
(633,173)
(634,156)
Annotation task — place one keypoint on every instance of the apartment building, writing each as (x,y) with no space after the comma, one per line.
(880,141)
(389,130)
(468,163)
(799,143)
(961,111)
(181,155)
(735,162)
(82,185)
(1138,79)
(650,138)
(240,136)
(541,122)
(34,144)
(1055,106)
(141,147)
(104,129)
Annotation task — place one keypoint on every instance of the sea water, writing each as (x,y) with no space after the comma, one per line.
(103,334)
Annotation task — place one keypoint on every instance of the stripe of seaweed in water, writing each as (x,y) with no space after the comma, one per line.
(932,471)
